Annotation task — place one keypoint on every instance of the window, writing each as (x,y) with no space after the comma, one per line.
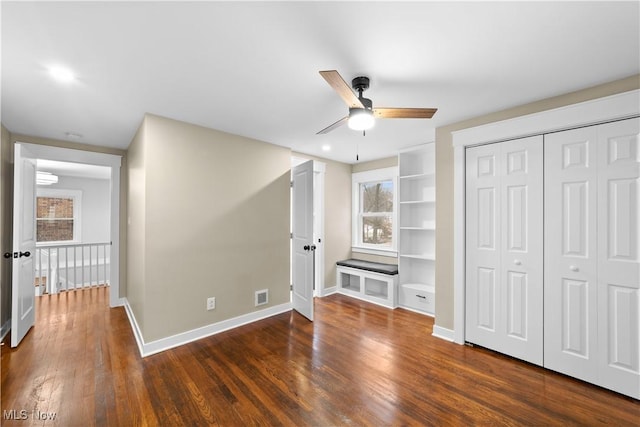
(374,206)
(58,216)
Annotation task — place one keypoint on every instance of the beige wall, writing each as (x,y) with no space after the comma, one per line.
(337,215)
(216,224)
(444,181)
(135,220)
(6,223)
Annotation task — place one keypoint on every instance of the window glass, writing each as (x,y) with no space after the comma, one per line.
(54,219)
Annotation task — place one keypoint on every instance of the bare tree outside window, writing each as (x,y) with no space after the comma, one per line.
(376,201)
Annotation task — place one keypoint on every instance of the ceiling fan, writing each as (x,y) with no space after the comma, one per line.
(361,112)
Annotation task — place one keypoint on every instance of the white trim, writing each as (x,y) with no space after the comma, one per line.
(329,291)
(614,107)
(60,193)
(381,252)
(383,174)
(157,346)
(4,330)
(319,170)
(422,312)
(609,108)
(443,333)
(101,159)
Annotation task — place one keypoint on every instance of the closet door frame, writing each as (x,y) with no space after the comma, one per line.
(615,107)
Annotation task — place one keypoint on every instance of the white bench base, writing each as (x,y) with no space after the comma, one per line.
(377,288)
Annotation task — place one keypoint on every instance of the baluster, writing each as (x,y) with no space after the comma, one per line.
(105,264)
(49,270)
(66,268)
(90,266)
(82,247)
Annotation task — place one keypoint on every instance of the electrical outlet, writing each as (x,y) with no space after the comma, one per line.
(211,303)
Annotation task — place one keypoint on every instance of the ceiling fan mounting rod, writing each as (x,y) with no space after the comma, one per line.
(360,84)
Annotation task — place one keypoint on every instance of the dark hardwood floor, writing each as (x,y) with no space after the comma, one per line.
(356,365)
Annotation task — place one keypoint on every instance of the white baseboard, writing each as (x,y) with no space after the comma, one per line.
(328,291)
(157,346)
(443,333)
(4,330)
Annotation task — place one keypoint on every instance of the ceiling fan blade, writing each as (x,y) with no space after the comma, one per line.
(333,126)
(404,113)
(342,88)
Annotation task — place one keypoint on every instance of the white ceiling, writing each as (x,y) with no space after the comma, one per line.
(76,170)
(251,68)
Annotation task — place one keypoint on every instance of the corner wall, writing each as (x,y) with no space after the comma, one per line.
(444,181)
(6,225)
(211,215)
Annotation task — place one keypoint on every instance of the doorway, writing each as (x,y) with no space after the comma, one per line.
(107,251)
(319,169)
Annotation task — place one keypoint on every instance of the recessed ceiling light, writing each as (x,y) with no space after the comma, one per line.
(62,74)
(326,148)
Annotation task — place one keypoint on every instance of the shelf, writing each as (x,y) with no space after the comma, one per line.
(416,248)
(428,257)
(416,202)
(429,226)
(417,176)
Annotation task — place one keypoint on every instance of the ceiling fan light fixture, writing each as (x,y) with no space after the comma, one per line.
(46,178)
(360,119)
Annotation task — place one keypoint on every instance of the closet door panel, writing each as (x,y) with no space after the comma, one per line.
(522,245)
(483,246)
(618,256)
(504,247)
(570,280)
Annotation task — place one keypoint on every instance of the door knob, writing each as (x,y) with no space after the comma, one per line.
(306,247)
(573,268)
(27,254)
(8,255)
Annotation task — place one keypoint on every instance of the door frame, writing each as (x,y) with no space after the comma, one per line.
(610,108)
(114,162)
(319,170)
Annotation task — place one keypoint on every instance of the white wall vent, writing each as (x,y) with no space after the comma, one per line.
(262,297)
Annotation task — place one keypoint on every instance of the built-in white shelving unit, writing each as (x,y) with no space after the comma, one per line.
(416,254)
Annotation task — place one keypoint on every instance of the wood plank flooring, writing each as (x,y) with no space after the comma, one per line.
(356,365)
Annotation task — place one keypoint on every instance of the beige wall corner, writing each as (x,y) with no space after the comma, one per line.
(6,223)
(444,180)
(216,224)
(134,220)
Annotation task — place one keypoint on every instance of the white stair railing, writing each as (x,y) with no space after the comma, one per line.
(71,266)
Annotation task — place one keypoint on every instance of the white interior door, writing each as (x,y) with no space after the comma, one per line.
(570,293)
(618,256)
(24,244)
(302,239)
(504,248)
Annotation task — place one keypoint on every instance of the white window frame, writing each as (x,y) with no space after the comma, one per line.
(385,174)
(60,193)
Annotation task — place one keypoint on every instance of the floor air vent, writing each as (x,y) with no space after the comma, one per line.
(262,297)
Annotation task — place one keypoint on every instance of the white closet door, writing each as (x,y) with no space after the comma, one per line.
(570,292)
(618,257)
(504,248)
